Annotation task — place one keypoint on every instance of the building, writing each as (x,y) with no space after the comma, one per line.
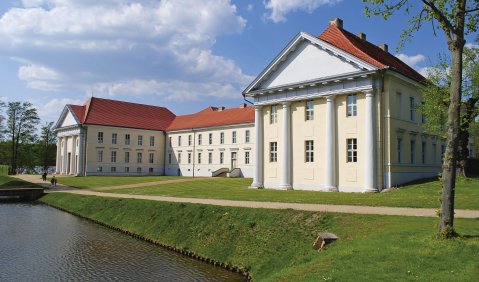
(338,113)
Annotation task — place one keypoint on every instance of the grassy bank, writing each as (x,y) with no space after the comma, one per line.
(418,195)
(12,182)
(277,244)
(108,181)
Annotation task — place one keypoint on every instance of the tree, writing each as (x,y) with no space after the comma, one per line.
(436,97)
(47,145)
(2,118)
(22,119)
(455,18)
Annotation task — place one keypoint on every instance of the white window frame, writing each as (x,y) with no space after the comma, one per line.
(127,157)
(100,137)
(273,152)
(309,151)
(247,136)
(152,141)
(139,157)
(233,137)
(246,157)
(309,110)
(200,139)
(151,158)
(140,140)
(210,138)
(127,139)
(352,105)
(114,138)
(99,156)
(210,157)
(352,150)
(273,115)
(222,137)
(113,156)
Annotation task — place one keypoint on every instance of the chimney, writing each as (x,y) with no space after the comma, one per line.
(361,35)
(337,22)
(384,47)
(242,105)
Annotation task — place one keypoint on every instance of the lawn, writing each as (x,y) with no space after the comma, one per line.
(276,245)
(108,181)
(425,195)
(11,182)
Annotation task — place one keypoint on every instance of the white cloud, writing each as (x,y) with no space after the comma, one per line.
(50,110)
(39,77)
(412,61)
(279,8)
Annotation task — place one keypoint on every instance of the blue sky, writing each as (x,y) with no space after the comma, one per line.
(182,54)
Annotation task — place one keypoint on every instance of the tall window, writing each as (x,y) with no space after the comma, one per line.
(189,158)
(140,140)
(113,156)
(412,109)
(127,169)
(189,140)
(210,157)
(399,149)
(179,140)
(246,157)
(127,157)
(413,151)
(138,169)
(139,157)
(210,138)
(199,158)
(200,137)
(170,142)
(113,138)
(151,158)
(100,137)
(352,105)
(169,158)
(423,152)
(352,150)
(233,137)
(127,139)
(273,151)
(309,150)
(222,155)
(152,141)
(150,170)
(273,116)
(246,136)
(99,156)
(309,110)
(179,158)
(222,138)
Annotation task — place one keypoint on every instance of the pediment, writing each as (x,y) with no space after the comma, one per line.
(67,118)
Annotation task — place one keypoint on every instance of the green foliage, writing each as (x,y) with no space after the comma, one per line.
(276,245)
(105,181)
(7,181)
(3,169)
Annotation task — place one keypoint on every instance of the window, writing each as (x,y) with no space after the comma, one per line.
(199,158)
(423,152)
(169,158)
(399,148)
(412,109)
(246,157)
(77,142)
(210,157)
(99,156)
(273,116)
(189,158)
(273,151)
(99,169)
(210,138)
(179,158)
(246,136)
(152,141)
(233,137)
(127,157)
(189,140)
(139,157)
(100,137)
(127,169)
(309,110)
(200,137)
(113,169)
(352,150)
(150,170)
(222,138)
(138,169)
(151,158)
(352,105)
(179,140)
(309,151)
(399,104)
(113,138)
(140,140)
(222,155)
(127,139)
(413,151)
(113,156)
(171,143)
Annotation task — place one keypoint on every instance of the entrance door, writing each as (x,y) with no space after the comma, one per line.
(233,160)
(69,162)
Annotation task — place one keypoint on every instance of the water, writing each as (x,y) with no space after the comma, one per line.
(40,243)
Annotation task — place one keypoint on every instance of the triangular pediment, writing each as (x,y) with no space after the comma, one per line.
(67,118)
(307,58)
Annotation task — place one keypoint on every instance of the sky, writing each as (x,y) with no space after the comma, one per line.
(185,55)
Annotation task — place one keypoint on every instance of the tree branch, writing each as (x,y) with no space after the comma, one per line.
(441,18)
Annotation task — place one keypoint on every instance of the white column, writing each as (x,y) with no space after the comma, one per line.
(258,148)
(329,182)
(285,152)
(369,145)
(72,161)
(59,152)
(65,156)
(81,137)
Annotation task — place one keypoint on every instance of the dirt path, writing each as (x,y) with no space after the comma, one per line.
(156,183)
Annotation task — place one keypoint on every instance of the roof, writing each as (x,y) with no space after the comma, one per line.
(213,116)
(97,111)
(366,51)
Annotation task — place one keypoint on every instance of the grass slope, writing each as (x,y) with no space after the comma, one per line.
(107,181)
(418,195)
(277,244)
(11,182)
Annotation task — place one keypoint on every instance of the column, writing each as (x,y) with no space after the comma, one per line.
(329,182)
(81,138)
(369,145)
(58,159)
(258,148)
(65,155)
(285,151)
(72,161)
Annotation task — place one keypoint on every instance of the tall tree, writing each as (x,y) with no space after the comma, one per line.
(47,145)
(22,119)
(2,118)
(455,18)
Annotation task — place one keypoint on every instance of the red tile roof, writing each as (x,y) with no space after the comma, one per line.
(212,116)
(367,51)
(79,112)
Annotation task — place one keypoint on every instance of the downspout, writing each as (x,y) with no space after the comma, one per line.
(166,152)
(384,168)
(85,134)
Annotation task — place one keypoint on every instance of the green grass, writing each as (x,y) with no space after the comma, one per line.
(418,195)
(276,245)
(105,181)
(11,182)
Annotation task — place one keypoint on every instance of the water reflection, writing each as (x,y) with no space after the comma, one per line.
(40,243)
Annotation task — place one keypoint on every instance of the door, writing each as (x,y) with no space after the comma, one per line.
(233,160)
(69,162)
